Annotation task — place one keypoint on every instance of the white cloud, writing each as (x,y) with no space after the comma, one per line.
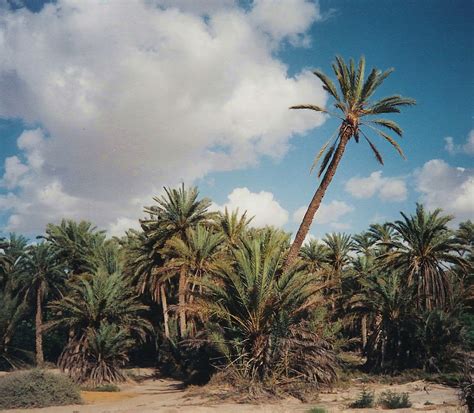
(121,225)
(466,148)
(327,214)
(387,189)
(447,187)
(134,95)
(14,171)
(282,19)
(261,205)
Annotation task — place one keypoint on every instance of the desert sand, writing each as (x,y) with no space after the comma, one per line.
(170,396)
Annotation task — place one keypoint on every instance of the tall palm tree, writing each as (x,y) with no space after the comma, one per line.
(198,255)
(174,213)
(354,106)
(424,253)
(43,276)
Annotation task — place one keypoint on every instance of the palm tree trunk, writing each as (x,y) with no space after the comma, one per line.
(164,304)
(182,302)
(38,328)
(364,332)
(317,198)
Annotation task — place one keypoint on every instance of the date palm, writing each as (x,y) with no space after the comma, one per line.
(77,243)
(198,255)
(105,318)
(43,276)
(355,109)
(172,215)
(259,316)
(424,253)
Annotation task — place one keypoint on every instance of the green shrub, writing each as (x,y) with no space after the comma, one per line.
(106,388)
(365,400)
(103,388)
(394,400)
(317,410)
(37,388)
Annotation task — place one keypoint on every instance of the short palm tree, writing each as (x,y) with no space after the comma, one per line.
(89,307)
(355,110)
(259,316)
(424,253)
(43,276)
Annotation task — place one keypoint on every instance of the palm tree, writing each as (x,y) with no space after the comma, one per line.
(198,255)
(385,299)
(424,253)
(233,226)
(43,275)
(101,310)
(314,254)
(258,317)
(176,212)
(77,244)
(338,248)
(354,105)
(11,259)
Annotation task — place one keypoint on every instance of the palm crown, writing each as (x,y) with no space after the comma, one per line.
(353,104)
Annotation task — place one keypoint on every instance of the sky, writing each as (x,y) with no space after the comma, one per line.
(104,102)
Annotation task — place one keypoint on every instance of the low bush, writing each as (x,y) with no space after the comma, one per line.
(317,410)
(394,400)
(103,388)
(37,388)
(365,400)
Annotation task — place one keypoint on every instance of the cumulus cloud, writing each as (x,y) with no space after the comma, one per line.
(330,213)
(447,187)
(261,205)
(466,148)
(387,189)
(135,95)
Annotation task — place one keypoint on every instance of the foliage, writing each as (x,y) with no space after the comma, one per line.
(106,388)
(423,253)
(258,316)
(365,400)
(37,388)
(97,357)
(317,410)
(394,400)
(104,316)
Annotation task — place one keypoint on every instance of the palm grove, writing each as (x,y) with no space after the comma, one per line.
(199,293)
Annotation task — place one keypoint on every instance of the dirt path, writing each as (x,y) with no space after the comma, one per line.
(168,396)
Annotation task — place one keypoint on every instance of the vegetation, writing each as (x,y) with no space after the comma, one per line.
(364,401)
(199,293)
(196,292)
(355,108)
(37,388)
(394,400)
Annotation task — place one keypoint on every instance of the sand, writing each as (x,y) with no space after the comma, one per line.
(170,396)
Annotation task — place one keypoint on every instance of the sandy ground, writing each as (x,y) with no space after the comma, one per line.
(168,396)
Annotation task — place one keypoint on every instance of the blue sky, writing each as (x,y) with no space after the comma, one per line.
(100,144)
